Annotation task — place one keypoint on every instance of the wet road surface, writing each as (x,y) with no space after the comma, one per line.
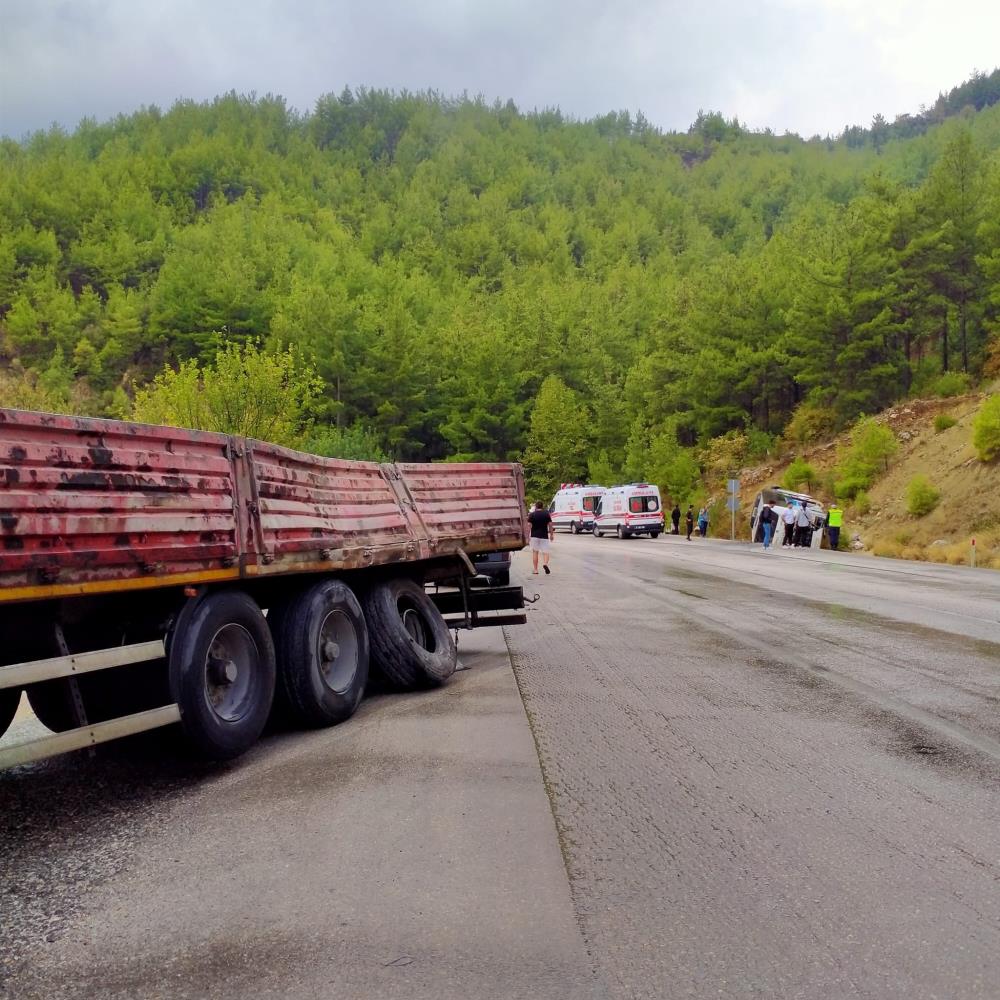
(774,774)
(409,853)
(771,776)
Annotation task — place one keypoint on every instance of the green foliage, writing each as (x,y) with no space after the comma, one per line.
(951,384)
(673,468)
(244,391)
(436,261)
(355,443)
(943,421)
(600,470)
(921,496)
(559,439)
(986,430)
(800,473)
(871,448)
(23,390)
(862,503)
(811,422)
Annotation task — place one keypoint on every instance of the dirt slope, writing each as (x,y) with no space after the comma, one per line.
(970,490)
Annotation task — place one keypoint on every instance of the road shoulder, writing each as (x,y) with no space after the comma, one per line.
(409,853)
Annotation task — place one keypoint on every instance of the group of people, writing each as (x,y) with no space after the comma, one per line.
(798,525)
(689,521)
(797,522)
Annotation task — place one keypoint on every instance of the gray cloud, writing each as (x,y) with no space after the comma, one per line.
(811,66)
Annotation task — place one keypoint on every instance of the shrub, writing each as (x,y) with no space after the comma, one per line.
(921,496)
(862,503)
(986,430)
(943,421)
(810,423)
(799,472)
(244,391)
(872,445)
(356,443)
(950,384)
(760,444)
(852,486)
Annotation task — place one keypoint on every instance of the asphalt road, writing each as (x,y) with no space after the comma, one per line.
(409,853)
(774,774)
(771,775)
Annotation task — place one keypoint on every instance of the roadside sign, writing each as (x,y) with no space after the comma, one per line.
(733,485)
(732,503)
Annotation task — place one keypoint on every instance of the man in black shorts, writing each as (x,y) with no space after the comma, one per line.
(542,532)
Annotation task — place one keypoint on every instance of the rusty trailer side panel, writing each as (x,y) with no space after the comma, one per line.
(85,501)
(90,505)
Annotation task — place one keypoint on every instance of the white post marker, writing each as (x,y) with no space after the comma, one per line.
(973,553)
(733,488)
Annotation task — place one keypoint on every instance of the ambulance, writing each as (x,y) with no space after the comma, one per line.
(573,507)
(629,510)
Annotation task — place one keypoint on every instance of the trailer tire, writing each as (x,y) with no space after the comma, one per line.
(321,642)
(410,642)
(222,672)
(10,698)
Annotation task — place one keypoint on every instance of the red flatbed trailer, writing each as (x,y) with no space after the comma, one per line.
(118,539)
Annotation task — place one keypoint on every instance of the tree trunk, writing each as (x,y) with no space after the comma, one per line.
(963,319)
(944,342)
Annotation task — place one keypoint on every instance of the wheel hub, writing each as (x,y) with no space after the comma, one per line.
(222,671)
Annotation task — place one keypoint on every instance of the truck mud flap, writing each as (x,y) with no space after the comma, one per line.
(466,608)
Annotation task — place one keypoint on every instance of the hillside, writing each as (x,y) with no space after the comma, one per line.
(969,507)
(456,280)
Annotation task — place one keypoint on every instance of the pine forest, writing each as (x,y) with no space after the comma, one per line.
(431,278)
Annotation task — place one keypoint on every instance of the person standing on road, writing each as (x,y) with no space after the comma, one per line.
(767,519)
(542,533)
(689,520)
(803,526)
(675,518)
(703,522)
(834,520)
(788,519)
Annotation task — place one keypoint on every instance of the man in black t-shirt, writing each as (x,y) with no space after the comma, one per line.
(542,533)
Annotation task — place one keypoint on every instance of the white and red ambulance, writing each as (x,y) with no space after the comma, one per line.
(629,510)
(573,506)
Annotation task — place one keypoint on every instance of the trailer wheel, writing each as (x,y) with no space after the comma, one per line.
(411,645)
(321,643)
(10,698)
(222,673)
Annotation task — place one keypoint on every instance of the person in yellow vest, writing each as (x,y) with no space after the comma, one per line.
(834,520)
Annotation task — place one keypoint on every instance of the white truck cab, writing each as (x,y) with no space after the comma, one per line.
(782,500)
(573,507)
(634,509)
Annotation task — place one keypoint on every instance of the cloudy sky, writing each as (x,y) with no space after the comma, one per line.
(807,66)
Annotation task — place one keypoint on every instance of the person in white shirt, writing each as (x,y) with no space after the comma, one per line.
(788,519)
